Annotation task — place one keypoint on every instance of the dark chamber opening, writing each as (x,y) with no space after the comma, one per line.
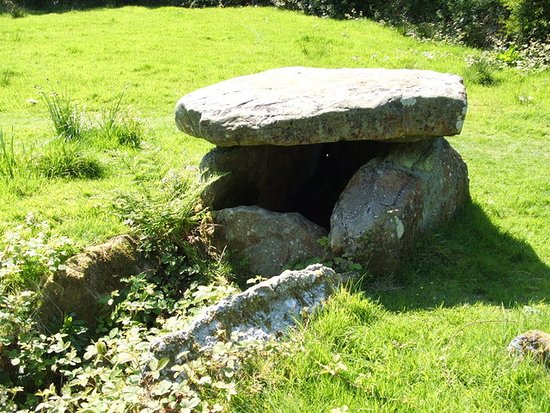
(307,179)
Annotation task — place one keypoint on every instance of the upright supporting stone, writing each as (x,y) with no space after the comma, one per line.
(392,200)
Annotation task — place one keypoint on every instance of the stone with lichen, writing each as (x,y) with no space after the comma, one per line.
(300,105)
(394,199)
(534,343)
(263,311)
(78,288)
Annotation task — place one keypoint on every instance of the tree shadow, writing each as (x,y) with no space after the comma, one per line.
(467,261)
(41,7)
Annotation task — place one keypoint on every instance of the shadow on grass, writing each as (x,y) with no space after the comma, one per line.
(467,261)
(62,7)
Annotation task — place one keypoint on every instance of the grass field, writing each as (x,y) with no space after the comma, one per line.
(431,339)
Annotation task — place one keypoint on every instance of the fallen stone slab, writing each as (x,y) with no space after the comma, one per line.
(266,242)
(299,105)
(393,199)
(262,312)
(89,275)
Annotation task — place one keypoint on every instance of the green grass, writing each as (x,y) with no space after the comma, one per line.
(425,345)
(357,354)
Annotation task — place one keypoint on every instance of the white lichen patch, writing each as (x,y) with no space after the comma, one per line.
(399,227)
(408,101)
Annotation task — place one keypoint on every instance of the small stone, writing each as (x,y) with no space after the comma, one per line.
(534,343)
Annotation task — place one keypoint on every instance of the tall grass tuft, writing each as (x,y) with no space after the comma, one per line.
(68,119)
(479,70)
(6,76)
(67,160)
(116,126)
(16,174)
(8,160)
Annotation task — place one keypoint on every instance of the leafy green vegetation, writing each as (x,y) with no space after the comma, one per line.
(433,338)
(173,229)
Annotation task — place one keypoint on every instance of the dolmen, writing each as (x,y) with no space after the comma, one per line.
(311,163)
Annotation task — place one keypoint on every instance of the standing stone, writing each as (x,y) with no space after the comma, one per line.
(299,105)
(392,200)
(265,241)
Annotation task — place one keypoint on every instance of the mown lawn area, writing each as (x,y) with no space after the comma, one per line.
(432,338)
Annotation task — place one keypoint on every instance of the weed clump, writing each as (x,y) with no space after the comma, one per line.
(173,228)
(67,118)
(479,70)
(117,127)
(114,127)
(62,160)
(5,77)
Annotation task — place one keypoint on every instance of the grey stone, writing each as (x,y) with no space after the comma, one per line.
(88,276)
(262,312)
(393,199)
(265,241)
(532,343)
(298,105)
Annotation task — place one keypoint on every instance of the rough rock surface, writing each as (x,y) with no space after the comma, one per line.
(534,343)
(307,179)
(392,200)
(259,313)
(89,275)
(267,241)
(298,105)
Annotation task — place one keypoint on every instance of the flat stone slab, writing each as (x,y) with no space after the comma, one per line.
(298,105)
